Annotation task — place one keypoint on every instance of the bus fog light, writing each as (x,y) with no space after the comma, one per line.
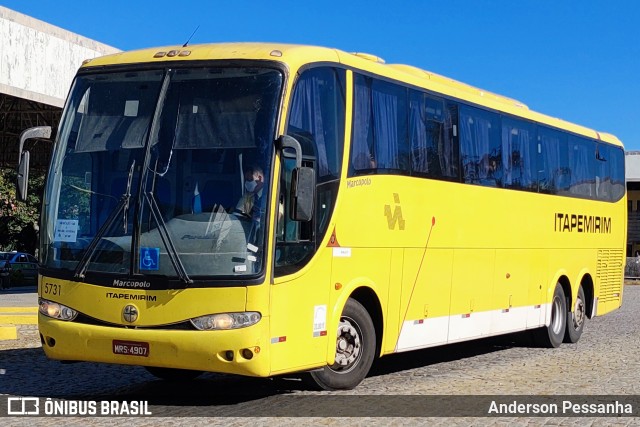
(247,354)
(55,310)
(224,321)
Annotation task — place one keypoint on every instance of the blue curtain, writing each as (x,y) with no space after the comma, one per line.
(385,113)
(418,134)
(517,161)
(581,154)
(551,154)
(474,145)
(306,114)
(360,153)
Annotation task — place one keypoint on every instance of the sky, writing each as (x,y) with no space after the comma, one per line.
(578,60)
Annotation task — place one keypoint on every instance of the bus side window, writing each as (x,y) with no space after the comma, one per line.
(480,147)
(380,140)
(317,122)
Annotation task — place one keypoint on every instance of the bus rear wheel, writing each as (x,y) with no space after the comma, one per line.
(576,319)
(551,336)
(355,350)
(172,374)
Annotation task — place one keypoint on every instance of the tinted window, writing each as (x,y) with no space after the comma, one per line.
(431,140)
(554,172)
(488,148)
(380,133)
(518,154)
(582,163)
(616,165)
(480,147)
(317,119)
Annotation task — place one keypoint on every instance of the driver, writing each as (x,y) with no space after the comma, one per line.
(250,204)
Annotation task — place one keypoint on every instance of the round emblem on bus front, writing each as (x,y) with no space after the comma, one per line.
(130,313)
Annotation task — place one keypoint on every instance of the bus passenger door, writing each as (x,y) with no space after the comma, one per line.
(300,292)
(299,317)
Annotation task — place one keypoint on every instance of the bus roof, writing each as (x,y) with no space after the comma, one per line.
(296,56)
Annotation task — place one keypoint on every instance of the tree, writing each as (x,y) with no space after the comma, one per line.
(19,221)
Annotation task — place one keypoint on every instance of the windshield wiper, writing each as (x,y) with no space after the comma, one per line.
(166,239)
(127,196)
(123,205)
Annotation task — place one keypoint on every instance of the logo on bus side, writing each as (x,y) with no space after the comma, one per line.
(396,217)
(564,222)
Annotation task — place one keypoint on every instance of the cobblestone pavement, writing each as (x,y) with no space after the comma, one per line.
(606,361)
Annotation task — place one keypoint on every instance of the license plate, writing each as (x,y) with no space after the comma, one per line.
(131,348)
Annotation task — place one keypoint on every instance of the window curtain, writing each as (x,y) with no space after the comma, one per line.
(306,114)
(551,151)
(516,156)
(385,110)
(360,153)
(582,180)
(418,134)
(448,155)
(474,145)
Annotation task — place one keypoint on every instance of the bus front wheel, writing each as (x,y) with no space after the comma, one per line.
(355,350)
(576,319)
(551,336)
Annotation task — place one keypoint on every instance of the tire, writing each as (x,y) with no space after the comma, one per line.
(576,318)
(172,374)
(355,350)
(551,336)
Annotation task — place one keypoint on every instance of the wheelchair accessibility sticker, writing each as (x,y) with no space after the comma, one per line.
(149,258)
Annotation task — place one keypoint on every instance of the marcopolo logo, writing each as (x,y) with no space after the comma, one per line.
(131,283)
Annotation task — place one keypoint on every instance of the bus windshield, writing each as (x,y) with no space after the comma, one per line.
(162,172)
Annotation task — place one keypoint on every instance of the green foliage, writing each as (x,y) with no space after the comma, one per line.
(74,202)
(19,220)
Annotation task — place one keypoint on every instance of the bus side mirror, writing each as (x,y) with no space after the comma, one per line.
(23,176)
(303,184)
(23,167)
(303,181)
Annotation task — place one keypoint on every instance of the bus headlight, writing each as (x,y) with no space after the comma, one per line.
(56,311)
(226,321)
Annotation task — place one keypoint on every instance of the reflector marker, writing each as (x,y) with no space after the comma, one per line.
(466,316)
(320,334)
(276,340)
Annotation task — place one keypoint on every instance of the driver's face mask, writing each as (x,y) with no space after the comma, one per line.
(250,186)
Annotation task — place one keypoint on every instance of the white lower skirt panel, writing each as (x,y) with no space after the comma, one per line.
(422,333)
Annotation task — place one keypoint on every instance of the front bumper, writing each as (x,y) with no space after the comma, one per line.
(196,350)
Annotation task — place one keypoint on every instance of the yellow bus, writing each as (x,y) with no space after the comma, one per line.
(262,209)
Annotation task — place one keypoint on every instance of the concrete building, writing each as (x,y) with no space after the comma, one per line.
(37,64)
(632,174)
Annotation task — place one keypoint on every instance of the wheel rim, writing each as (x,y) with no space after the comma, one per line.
(556,316)
(579,313)
(348,345)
